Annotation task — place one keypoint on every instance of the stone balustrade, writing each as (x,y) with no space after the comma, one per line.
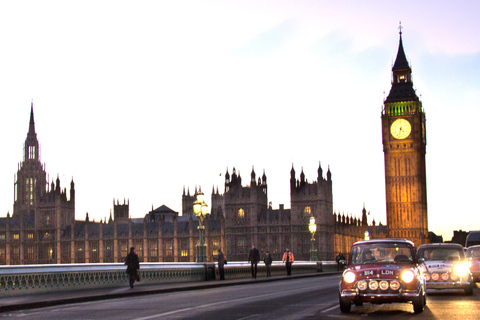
(25,279)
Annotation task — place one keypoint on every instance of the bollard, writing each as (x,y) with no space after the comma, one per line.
(209,271)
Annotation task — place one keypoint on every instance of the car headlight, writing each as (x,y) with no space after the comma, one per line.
(461,269)
(408,276)
(394,285)
(362,285)
(349,277)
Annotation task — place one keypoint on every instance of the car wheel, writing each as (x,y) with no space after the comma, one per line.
(469,289)
(345,305)
(418,303)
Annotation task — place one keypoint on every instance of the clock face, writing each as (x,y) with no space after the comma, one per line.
(400,129)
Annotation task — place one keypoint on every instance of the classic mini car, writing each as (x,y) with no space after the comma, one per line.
(473,255)
(382,271)
(445,266)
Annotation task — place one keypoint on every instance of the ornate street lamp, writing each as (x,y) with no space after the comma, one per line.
(200,208)
(367,235)
(312,226)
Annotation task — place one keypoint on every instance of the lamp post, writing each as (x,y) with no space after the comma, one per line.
(312,226)
(200,209)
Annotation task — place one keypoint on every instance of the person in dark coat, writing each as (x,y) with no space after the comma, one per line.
(268,263)
(221,263)
(132,266)
(254,258)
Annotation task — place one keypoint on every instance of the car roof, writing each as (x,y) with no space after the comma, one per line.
(432,245)
(473,247)
(374,241)
(473,236)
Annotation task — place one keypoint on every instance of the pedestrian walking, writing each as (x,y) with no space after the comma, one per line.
(221,263)
(133,265)
(268,263)
(254,258)
(338,258)
(288,259)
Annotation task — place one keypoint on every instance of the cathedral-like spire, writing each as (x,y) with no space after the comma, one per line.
(31,151)
(31,126)
(401,60)
(402,86)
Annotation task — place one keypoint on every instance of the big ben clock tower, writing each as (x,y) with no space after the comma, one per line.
(404,147)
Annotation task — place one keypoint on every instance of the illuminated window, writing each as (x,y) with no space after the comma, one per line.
(16,236)
(241,213)
(307,210)
(184,253)
(30,236)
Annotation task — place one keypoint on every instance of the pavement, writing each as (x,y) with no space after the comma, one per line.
(41,300)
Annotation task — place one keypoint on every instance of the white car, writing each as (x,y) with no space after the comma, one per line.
(445,267)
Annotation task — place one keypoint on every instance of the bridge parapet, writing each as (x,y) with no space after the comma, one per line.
(29,279)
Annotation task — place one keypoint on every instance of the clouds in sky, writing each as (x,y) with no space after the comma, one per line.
(137,100)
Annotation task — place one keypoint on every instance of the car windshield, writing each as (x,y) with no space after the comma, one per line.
(473,252)
(441,253)
(381,252)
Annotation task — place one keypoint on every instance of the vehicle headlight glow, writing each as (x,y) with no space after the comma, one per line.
(383,285)
(362,285)
(462,268)
(435,276)
(408,276)
(349,277)
(394,285)
(444,276)
(373,285)
(427,276)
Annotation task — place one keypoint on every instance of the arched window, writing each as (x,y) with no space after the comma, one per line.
(241,213)
(307,210)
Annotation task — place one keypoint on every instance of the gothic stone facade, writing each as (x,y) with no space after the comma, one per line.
(43,229)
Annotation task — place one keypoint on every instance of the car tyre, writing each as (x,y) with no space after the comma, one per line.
(419,302)
(469,289)
(345,305)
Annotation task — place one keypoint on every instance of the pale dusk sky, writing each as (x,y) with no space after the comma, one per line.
(136,100)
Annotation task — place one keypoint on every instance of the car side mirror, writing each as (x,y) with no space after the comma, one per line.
(421,260)
(342,261)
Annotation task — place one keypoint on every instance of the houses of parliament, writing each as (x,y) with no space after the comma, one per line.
(42,228)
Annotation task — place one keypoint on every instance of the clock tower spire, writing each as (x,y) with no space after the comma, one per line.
(404,147)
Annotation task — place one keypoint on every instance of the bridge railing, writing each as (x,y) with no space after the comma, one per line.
(26,279)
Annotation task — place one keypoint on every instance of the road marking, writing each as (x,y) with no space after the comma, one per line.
(219,303)
(330,309)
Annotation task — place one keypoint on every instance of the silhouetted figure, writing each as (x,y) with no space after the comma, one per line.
(254,258)
(221,263)
(268,263)
(132,266)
